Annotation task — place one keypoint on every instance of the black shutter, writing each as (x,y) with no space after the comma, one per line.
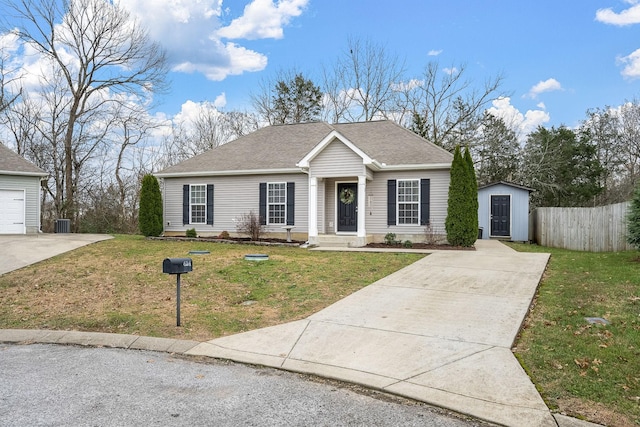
(263,203)
(210,204)
(391,202)
(424,201)
(185,204)
(291,203)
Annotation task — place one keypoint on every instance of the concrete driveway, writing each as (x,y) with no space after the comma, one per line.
(17,251)
(439,331)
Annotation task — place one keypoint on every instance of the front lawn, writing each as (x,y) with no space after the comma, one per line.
(586,369)
(118,286)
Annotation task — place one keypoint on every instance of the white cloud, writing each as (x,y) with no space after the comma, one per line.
(450,71)
(190,112)
(237,60)
(631,64)
(548,85)
(190,31)
(220,101)
(522,124)
(263,19)
(628,16)
(434,52)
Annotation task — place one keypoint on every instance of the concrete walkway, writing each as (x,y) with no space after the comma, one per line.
(438,331)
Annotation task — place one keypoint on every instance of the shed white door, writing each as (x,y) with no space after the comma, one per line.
(12,212)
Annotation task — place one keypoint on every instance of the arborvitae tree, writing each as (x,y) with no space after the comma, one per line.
(633,220)
(150,217)
(473,191)
(462,220)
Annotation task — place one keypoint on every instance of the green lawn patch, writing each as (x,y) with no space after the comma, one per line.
(118,286)
(586,369)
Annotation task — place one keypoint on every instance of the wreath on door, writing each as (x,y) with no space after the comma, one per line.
(347,196)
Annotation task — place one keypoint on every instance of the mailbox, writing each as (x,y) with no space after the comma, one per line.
(177,265)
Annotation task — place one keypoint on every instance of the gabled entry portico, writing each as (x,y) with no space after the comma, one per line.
(337,189)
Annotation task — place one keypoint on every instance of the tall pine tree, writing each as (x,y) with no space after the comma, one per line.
(473,191)
(150,216)
(462,210)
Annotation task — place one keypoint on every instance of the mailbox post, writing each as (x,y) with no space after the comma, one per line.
(177,266)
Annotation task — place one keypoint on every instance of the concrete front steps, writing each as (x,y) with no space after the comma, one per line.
(340,241)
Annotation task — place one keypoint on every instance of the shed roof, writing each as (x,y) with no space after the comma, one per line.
(509,184)
(282,147)
(11,163)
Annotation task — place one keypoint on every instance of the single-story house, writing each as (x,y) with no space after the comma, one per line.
(20,192)
(347,184)
(503,211)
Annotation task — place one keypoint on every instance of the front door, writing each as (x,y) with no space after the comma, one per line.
(501,216)
(347,207)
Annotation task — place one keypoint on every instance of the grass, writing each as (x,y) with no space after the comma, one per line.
(118,286)
(584,369)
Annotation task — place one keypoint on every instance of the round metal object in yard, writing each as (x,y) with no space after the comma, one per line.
(256,257)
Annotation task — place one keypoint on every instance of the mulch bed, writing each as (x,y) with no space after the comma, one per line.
(237,240)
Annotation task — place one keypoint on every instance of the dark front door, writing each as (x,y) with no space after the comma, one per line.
(500,216)
(347,207)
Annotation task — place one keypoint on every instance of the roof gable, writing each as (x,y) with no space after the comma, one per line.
(334,135)
(11,163)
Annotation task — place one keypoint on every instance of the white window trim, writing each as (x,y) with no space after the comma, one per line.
(191,204)
(419,203)
(284,222)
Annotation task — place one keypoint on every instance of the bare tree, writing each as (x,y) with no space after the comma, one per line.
(361,86)
(7,96)
(209,129)
(98,50)
(444,106)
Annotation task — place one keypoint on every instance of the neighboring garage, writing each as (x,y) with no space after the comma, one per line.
(19,193)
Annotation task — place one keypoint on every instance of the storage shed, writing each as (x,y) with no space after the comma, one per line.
(503,211)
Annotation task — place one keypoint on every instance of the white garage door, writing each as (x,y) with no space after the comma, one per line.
(12,212)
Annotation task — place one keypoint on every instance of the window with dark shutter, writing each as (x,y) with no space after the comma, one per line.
(424,201)
(185,204)
(263,203)
(291,202)
(210,204)
(391,202)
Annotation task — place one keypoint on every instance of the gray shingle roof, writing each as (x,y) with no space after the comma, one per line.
(12,163)
(283,146)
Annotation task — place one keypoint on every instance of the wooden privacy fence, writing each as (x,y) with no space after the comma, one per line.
(599,229)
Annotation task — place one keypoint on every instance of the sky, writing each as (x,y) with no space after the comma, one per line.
(558,58)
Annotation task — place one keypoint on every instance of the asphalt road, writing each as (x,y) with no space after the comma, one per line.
(49,385)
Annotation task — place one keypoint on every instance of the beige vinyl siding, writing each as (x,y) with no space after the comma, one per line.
(376,202)
(233,197)
(336,160)
(31,187)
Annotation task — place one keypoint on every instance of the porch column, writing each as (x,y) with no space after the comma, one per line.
(313,209)
(362,207)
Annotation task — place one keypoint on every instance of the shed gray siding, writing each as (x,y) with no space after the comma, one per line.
(233,197)
(31,187)
(519,205)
